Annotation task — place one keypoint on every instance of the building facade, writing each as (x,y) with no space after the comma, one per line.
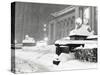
(64,21)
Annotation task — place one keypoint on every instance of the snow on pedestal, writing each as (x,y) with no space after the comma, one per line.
(28,41)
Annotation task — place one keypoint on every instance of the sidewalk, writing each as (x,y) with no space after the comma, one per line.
(42,61)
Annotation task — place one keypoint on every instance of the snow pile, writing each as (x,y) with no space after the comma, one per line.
(88,46)
(41,43)
(47,59)
(49,48)
(73,65)
(66,57)
(92,36)
(91,46)
(80,47)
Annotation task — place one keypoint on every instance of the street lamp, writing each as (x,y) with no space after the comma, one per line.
(46,38)
(45,29)
(45,25)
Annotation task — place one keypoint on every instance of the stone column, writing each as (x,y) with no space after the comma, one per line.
(55,28)
(76,13)
(91,18)
(49,32)
(81,11)
(95,21)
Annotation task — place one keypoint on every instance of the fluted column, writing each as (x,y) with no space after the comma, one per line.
(76,12)
(92,17)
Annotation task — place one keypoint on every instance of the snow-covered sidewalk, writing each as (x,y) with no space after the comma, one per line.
(40,59)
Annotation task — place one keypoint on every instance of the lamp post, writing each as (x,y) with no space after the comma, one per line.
(45,30)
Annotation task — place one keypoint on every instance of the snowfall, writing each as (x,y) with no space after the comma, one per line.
(40,59)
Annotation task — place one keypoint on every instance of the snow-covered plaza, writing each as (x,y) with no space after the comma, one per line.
(40,59)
